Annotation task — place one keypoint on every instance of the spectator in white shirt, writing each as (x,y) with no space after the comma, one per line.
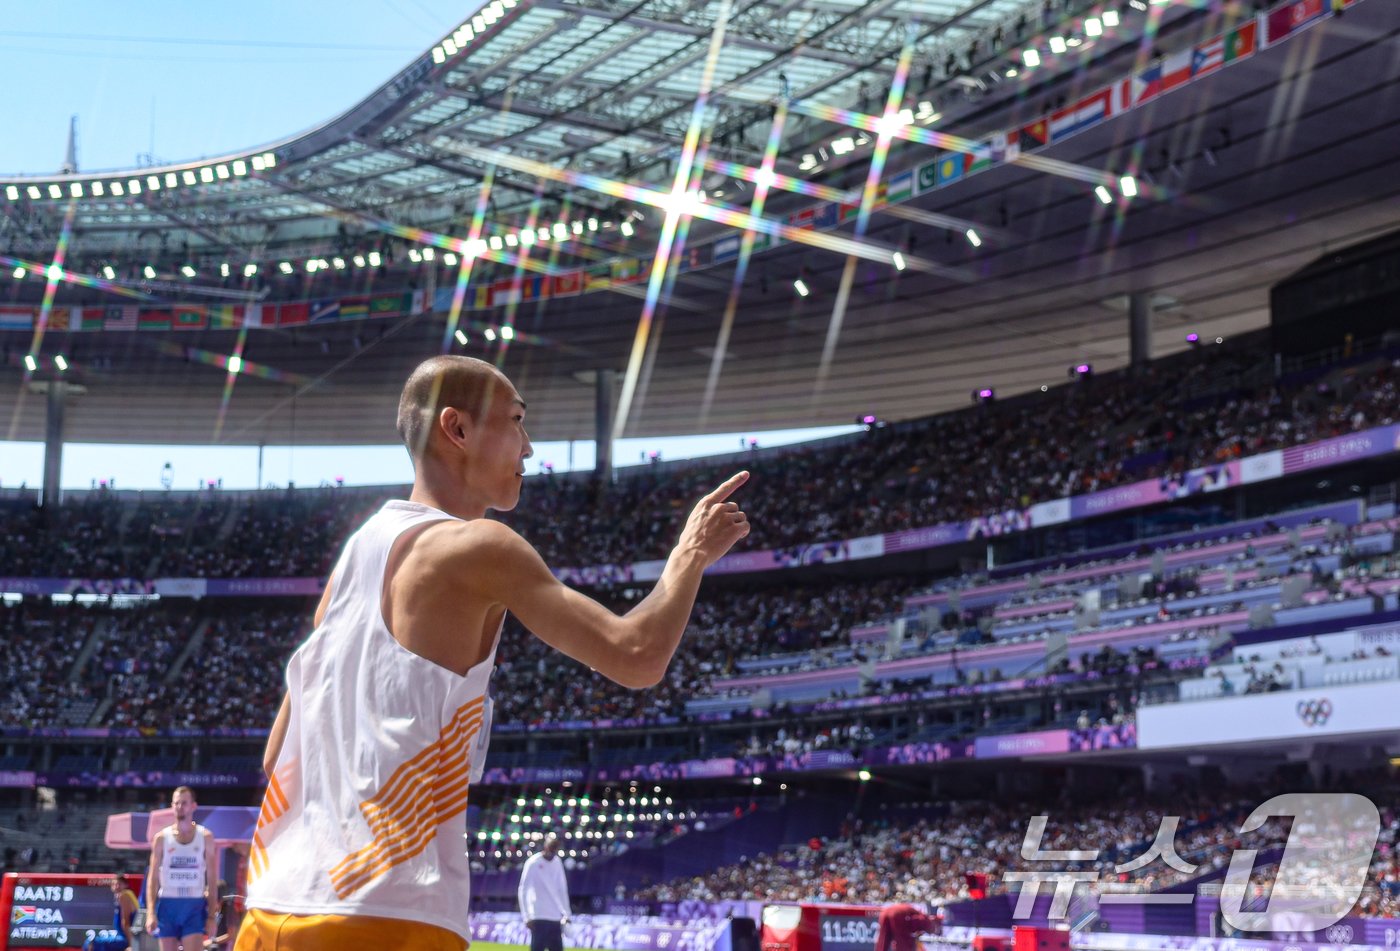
(544,897)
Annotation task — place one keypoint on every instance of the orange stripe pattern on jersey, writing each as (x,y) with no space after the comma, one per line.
(419,796)
(274,807)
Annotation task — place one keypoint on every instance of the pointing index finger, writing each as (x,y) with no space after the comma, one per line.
(727,488)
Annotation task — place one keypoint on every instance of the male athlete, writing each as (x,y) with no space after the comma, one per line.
(384,726)
(182,896)
(119,936)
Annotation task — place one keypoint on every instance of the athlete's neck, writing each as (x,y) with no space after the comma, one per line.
(184,828)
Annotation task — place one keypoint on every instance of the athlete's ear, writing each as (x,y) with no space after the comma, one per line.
(455,425)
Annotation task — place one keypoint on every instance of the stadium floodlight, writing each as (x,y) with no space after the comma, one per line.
(269,159)
(55,191)
(527,237)
(1104,194)
(1044,388)
(479,23)
(60,362)
(414,256)
(153,183)
(109,272)
(206,174)
(1093,26)
(240,168)
(898,261)
(249,270)
(133,187)
(117,189)
(221,171)
(172,180)
(1030,57)
(429,254)
(843,145)
(449,46)
(375,259)
(561,231)
(449,259)
(150,272)
(801,287)
(462,339)
(285,267)
(973,238)
(235,364)
(439,57)
(359,260)
(311,265)
(339,263)
(30,363)
(544,234)
(18,273)
(507,332)
(576,227)
(187,270)
(223,269)
(758,780)
(490,335)
(97,189)
(1057,45)
(1110,18)
(189,177)
(627,229)
(34,192)
(75,190)
(12,193)
(54,273)
(1128,186)
(592,224)
(258,163)
(864,775)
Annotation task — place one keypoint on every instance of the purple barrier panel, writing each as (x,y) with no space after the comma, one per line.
(99,779)
(1022,744)
(1203,623)
(1332,452)
(263,587)
(914,754)
(17,779)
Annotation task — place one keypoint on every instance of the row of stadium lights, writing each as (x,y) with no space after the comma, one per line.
(1080,371)
(631,802)
(135,185)
(462,36)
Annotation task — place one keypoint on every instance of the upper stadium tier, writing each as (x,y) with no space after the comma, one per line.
(944,197)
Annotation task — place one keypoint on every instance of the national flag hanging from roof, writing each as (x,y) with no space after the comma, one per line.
(91,318)
(568,284)
(1242,41)
(900,187)
(1176,69)
(1034,135)
(120,317)
(225,316)
(978,158)
(289,315)
(324,311)
(1006,146)
(189,317)
(153,320)
(803,219)
(354,308)
(1147,85)
(483,298)
(16,318)
(1290,18)
(57,318)
(1208,57)
(253,314)
(827,217)
(928,177)
(1085,114)
(950,167)
(383,305)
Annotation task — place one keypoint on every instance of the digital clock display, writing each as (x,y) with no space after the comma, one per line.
(847,932)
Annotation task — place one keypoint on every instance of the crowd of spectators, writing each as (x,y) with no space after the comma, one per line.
(1196,409)
(932,859)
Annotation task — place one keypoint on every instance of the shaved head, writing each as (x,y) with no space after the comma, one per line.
(464,383)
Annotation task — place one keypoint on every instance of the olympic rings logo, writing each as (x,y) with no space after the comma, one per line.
(1315,712)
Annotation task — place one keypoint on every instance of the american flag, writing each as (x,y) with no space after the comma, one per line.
(121,317)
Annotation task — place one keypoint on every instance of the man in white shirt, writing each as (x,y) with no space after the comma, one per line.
(544,897)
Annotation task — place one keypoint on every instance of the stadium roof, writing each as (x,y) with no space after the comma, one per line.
(534,113)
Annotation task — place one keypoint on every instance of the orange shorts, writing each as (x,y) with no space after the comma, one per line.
(269,931)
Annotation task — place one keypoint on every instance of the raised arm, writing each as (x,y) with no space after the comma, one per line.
(633,649)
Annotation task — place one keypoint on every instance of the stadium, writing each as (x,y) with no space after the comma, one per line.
(1084,632)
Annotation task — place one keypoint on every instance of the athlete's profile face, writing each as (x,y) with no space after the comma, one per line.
(503,445)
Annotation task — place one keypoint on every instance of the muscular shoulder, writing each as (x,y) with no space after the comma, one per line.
(478,545)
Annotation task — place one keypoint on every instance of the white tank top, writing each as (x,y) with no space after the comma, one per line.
(182,871)
(365,811)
